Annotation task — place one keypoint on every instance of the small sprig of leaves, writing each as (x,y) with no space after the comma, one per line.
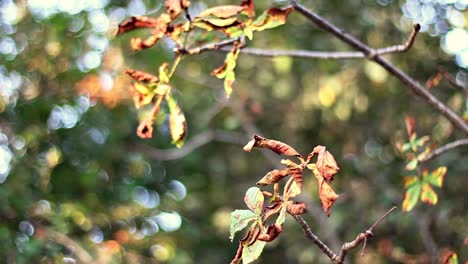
(419,187)
(232,21)
(324,169)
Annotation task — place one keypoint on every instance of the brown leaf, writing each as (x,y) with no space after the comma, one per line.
(225,11)
(273,177)
(141,76)
(175,7)
(139,97)
(327,196)
(272,232)
(296,208)
(135,23)
(248,6)
(274,145)
(272,209)
(326,163)
(296,173)
(175,31)
(410,125)
(252,235)
(160,28)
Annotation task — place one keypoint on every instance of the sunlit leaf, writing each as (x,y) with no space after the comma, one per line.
(177,123)
(296,208)
(282,216)
(412,164)
(254,200)
(141,76)
(413,185)
(239,220)
(421,141)
(226,71)
(271,18)
(436,177)
(428,195)
(141,95)
(252,252)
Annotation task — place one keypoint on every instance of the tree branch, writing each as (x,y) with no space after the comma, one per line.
(338,259)
(444,148)
(371,54)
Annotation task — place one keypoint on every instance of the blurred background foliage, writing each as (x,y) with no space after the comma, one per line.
(77,184)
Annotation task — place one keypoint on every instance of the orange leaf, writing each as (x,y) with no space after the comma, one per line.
(273,176)
(225,11)
(296,173)
(274,145)
(135,23)
(326,163)
(410,125)
(141,76)
(145,129)
(248,6)
(160,28)
(296,208)
(175,7)
(327,196)
(272,209)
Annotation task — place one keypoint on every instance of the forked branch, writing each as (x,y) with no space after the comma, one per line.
(338,259)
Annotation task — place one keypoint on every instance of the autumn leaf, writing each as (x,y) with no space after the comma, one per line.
(240,219)
(252,252)
(159,30)
(145,128)
(292,190)
(428,195)
(296,174)
(226,71)
(436,177)
(273,177)
(326,163)
(413,191)
(410,125)
(271,18)
(271,233)
(296,208)
(175,31)
(141,76)
(327,195)
(175,7)
(135,23)
(274,145)
(254,200)
(177,123)
(272,209)
(141,95)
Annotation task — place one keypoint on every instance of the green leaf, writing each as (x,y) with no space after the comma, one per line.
(421,141)
(412,164)
(252,252)
(428,195)
(177,123)
(413,185)
(240,219)
(254,200)
(436,177)
(226,71)
(282,216)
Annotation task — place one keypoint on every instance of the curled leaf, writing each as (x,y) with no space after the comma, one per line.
(274,145)
(252,235)
(159,29)
(135,23)
(271,18)
(177,123)
(145,128)
(292,189)
(141,95)
(296,208)
(273,177)
(326,163)
(296,173)
(272,232)
(327,196)
(272,209)
(141,76)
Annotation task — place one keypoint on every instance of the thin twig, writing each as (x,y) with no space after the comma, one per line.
(207,47)
(411,83)
(444,148)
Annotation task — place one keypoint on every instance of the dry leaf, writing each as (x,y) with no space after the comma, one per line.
(141,76)
(326,163)
(273,177)
(175,7)
(274,145)
(296,208)
(135,23)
